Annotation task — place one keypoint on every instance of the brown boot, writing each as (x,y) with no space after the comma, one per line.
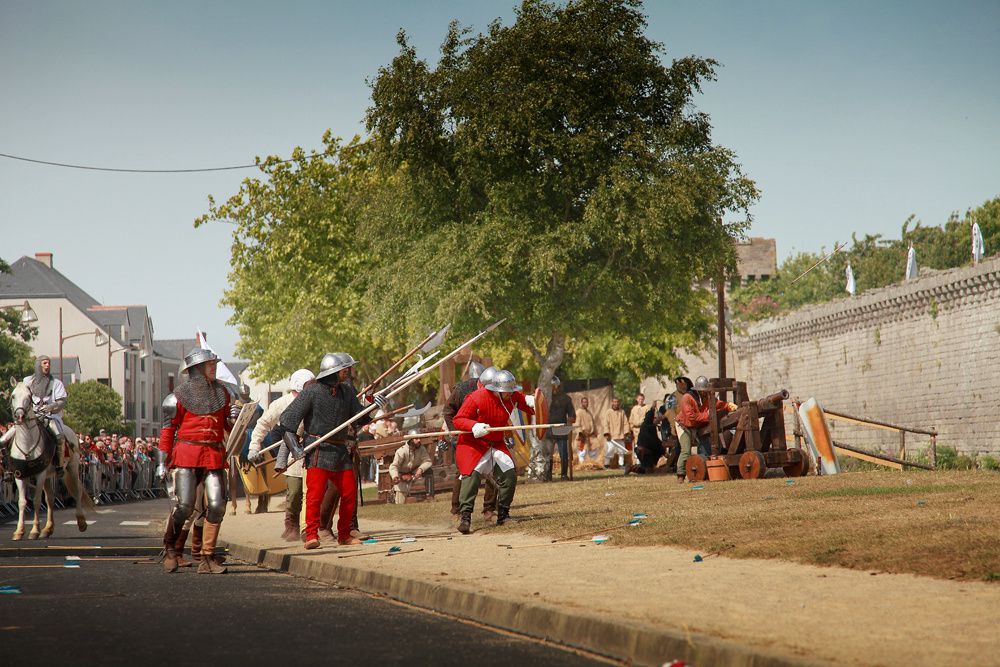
(179,549)
(170,560)
(208,564)
(291,533)
(263,501)
(197,538)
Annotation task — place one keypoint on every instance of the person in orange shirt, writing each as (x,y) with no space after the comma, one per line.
(692,414)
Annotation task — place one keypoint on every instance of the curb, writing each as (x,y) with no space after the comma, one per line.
(629,643)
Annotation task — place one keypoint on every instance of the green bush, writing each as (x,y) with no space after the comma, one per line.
(948,458)
(987,462)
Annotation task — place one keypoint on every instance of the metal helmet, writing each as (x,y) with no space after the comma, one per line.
(413,434)
(701,383)
(198,356)
(475,369)
(504,382)
(346,359)
(300,377)
(488,375)
(330,364)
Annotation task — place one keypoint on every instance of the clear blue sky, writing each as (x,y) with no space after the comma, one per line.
(849,115)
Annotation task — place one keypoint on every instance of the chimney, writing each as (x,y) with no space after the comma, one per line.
(45,258)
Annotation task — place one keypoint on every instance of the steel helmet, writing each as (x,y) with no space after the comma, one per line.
(504,382)
(334,362)
(346,359)
(487,375)
(701,383)
(300,377)
(475,369)
(198,356)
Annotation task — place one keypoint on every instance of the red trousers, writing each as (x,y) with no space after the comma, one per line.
(342,480)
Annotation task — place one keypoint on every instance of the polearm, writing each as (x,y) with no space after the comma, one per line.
(388,444)
(385,416)
(400,388)
(429,343)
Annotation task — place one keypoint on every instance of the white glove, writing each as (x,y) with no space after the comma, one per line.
(480,429)
(530,400)
(255,457)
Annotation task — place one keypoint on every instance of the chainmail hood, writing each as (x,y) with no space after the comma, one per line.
(40,383)
(200,396)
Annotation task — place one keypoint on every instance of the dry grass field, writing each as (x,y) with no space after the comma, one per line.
(938,524)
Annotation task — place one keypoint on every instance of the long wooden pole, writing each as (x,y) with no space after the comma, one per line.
(374,383)
(401,387)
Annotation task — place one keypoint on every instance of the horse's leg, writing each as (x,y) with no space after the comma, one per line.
(76,490)
(22,505)
(50,495)
(37,503)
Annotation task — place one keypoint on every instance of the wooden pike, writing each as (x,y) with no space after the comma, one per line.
(278,444)
(417,348)
(402,386)
(393,443)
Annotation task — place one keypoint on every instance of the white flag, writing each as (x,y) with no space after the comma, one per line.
(911,264)
(978,249)
(851,287)
(222,372)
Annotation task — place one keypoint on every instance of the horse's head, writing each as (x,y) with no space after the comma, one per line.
(20,402)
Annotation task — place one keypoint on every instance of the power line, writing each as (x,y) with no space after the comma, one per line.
(149,171)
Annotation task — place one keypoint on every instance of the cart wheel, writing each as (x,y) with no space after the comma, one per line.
(798,469)
(752,465)
(696,468)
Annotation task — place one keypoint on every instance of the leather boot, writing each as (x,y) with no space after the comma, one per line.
(170,560)
(179,549)
(196,541)
(263,500)
(208,563)
(465,525)
(291,533)
(169,546)
(503,513)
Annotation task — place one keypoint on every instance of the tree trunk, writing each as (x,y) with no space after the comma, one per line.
(550,362)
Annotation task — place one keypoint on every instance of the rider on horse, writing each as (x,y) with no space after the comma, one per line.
(49,396)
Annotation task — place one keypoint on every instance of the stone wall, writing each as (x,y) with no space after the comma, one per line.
(924,354)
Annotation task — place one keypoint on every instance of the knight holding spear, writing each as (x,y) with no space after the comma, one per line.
(484,452)
(321,408)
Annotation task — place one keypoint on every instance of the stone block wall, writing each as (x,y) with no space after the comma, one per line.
(924,354)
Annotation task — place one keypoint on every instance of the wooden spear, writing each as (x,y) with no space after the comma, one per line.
(402,386)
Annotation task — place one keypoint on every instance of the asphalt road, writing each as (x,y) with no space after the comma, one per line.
(129,612)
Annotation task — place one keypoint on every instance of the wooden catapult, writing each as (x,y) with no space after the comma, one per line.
(747,442)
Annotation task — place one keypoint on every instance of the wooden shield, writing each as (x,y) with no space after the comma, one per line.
(262,480)
(541,409)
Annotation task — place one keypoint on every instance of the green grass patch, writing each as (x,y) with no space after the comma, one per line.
(853,491)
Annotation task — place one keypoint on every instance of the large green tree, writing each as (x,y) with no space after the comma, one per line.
(91,406)
(553,171)
(15,354)
(294,283)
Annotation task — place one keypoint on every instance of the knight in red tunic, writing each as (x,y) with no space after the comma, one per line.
(192,443)
(484,452)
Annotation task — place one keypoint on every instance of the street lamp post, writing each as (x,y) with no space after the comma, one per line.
(28,314)
(98,340)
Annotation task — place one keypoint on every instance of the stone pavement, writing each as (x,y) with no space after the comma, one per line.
(648,605)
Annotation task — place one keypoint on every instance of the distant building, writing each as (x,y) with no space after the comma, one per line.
(756,259)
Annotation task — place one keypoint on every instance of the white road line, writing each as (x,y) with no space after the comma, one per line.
(134,523)
(90,522)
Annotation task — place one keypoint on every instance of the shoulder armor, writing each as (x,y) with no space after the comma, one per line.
(169,406)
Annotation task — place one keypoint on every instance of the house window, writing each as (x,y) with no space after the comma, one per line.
(142,364)
(170,383)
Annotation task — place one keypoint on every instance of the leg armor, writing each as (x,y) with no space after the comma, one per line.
(186,490)
(215,495)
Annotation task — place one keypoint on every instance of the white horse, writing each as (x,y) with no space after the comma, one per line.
(29,447)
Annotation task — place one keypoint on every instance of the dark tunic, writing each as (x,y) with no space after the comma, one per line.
(649,446)
(320,409)
(459,393)
(561,409)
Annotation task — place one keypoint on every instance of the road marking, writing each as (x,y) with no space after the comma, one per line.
(90,522)
(106,511)
(134,523)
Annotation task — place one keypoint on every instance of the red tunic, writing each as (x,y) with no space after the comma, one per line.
(482,405)
(692,415)
(196,428)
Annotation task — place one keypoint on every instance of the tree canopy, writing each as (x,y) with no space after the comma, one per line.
(553,171)
(16,360)
(91,406)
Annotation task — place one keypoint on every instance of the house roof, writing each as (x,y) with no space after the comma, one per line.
(30,278)
(173,348)
(71,366)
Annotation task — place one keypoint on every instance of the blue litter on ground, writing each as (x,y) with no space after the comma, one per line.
(72,566)
(698,558)
(370,540)
(639,515)
(407,540)
(72,558)
(697,487)
(921,503)
(599,539)
(635,522)
(393,550)
(789,482)
(10,590)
